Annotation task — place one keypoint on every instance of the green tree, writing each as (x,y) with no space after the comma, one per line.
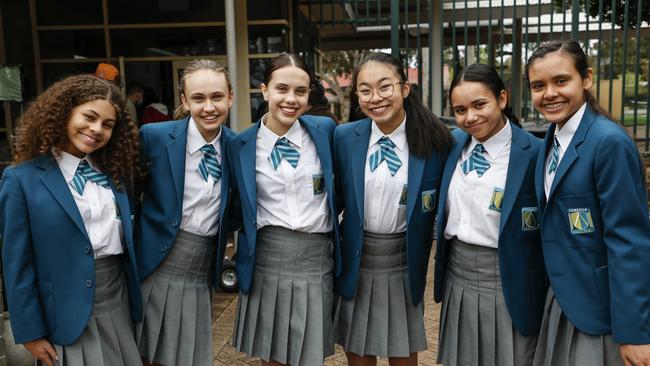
(609,8)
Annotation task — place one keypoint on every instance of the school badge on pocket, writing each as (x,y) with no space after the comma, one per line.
(580,221)
(428,200)
(529,219)
(318,182)
(403,196)
(497,199)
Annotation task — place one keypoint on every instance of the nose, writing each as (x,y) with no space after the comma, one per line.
(550,92)
(291,96)
(209,105)
(96,126)
(375,96)
(472,115)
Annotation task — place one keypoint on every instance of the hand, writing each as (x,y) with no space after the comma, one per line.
(42,350)
(635,354)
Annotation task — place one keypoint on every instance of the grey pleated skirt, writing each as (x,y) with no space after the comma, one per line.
(475,326)
(381,320)
(177,324)
(108,338)
(287,314)
(561,344)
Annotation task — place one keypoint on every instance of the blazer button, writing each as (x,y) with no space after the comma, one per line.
(164,248)
(250,253)
(89,283)
(356,252)
(175,223)
(87,250)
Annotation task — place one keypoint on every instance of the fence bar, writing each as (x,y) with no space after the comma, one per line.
(501,40)
(588,17)
(563,18)
(490,42)
(637,70)
(611,59)
(465,36)
(405,47)
(626,17)
(575,19)
(418,48)
(647,110)
(431,34)
(600,43)
(394,28)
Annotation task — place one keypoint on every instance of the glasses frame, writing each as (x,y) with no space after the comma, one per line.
(382,96)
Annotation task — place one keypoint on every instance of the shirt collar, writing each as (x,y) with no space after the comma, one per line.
(398,137)
(195,140)
(495,144)
(69,163)
(565,134)
(269,138)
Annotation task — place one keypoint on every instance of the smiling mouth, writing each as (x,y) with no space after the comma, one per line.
(210,118)
(553,106)
(379,109)
(288,110)
(90,139)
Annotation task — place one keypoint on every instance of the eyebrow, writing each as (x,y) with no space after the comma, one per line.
(378,82)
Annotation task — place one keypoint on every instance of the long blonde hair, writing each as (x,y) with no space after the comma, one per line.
(196,65)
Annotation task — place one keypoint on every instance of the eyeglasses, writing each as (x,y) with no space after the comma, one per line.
(384,91)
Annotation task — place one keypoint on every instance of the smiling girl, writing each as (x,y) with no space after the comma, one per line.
(183,225)
(282,172)
(68,263)
(489,266)
(594,221)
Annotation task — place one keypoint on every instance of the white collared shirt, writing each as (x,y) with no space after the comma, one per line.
(474,203)
(201,199)
(294,198)
(564,136)
(97,207)
(384,201)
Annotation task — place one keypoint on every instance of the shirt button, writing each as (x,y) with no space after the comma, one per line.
(89,283)
(164,248)
(87,250)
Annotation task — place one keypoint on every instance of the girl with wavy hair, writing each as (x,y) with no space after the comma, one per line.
(70,274)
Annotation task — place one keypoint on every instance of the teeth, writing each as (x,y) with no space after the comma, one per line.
(553,106)
(378,109)
(289,110)
(210,118)
(89,139)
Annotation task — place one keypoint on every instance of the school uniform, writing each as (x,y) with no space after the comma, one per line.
(596,240)
(288,248)
(182,233)
(489,269)
(68,263)
(387,233)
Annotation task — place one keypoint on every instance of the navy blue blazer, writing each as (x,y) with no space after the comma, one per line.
(521,262)
(48,263)
(241,153)
(163,148)
(596,232)
(350,150)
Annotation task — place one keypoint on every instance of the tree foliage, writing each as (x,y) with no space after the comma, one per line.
(617,10)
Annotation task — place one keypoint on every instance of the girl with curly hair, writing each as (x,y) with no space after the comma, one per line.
(70,274)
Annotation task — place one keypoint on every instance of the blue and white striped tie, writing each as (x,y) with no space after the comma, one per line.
(385,152)
(209,164)
(86,173)
(555,156)
(476,161)
(282,150)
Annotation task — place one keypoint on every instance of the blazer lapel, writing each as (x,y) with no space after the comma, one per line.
(122,202)
(359,150)
(53,180)
(517,168)
(450,168)
(321,142)
(225,176)
(247,163)
(540,168)
(416,169)
(176,153)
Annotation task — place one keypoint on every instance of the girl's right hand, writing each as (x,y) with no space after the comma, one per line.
(42,350)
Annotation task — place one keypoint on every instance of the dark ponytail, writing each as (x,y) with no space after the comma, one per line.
(489,77)
(574,51)
(425,133)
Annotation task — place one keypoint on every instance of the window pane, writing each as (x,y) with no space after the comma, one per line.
(72,44)
(55,72)
(69,12)
(165,11)
(268,39)
(169,42)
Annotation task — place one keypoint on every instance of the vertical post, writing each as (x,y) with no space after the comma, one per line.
(435,56)
(37,47)
(8,121)
(237,29)
(394,28)
(575,19)
(516,76)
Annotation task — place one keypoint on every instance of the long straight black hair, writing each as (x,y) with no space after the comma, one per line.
(425,133)
(489,77)
(574,51)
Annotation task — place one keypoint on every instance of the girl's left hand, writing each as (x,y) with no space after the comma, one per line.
(635,354)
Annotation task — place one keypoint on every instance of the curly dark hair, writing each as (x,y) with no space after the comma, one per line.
(43,127)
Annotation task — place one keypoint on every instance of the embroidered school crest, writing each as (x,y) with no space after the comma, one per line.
(580,221)
(403,196)
(428,200)
(497,199)
(529,219)
(318,182)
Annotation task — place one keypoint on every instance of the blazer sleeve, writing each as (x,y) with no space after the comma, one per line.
(22,289)
(626,233)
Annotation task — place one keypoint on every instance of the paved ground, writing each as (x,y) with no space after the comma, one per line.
(225,307)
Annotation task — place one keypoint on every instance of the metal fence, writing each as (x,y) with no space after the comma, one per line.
(438,37)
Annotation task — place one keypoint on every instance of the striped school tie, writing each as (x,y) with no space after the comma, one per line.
(282,150)
(86,173)
(209,164)
(476,161)
(555,156)
(386,153)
